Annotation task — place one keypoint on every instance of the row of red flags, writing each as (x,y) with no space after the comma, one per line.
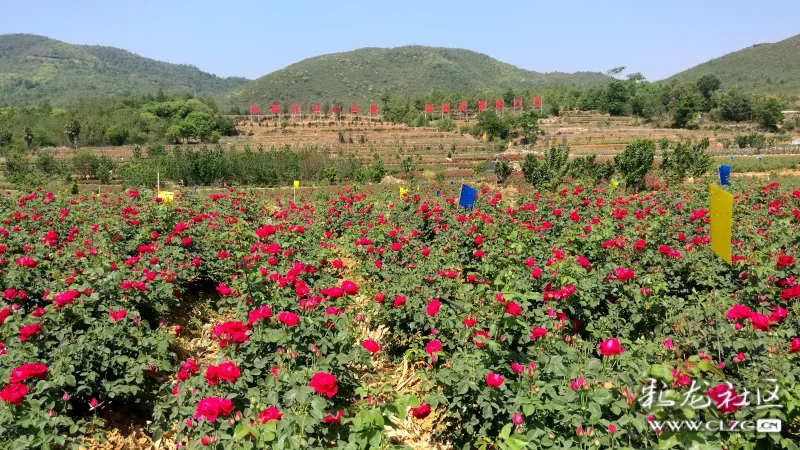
(373,109)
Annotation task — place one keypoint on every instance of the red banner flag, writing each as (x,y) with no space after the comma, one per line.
(517,103)
(295,109)
(537,102)
(482,105)
(462,106)
(337,109)
(315,109)
(498,104)
(254,109)
(429,107)
(275,109)
(354,109)
(445,107)
(373,109)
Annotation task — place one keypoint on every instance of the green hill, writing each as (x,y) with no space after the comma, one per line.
(367,74)
(36,68)
(762,68)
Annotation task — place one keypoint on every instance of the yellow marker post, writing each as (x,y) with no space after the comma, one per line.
(297,184)
(614,184)
(721,209)
(294,189)
(403,192)
(166,196)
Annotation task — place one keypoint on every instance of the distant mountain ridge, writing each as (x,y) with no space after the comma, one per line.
(368,74)
(761,68)
(36,68)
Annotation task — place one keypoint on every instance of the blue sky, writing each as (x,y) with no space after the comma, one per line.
(251,38)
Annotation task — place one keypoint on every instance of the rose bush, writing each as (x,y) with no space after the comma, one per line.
(536,319)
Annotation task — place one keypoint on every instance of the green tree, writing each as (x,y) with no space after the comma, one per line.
(27,136)
(116,134)
(769,113)
(47,164)
(687,107)
(735,106)
(635,161)
(73,131)
(508,97)
(534,172)
(526,126)
(5,138)
(491,125)
(707,85)
(502,171)
(687,159)
(616,97)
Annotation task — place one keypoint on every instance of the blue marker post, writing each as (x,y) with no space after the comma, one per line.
(438,192)
(730,158)
(467,197)
(725,175)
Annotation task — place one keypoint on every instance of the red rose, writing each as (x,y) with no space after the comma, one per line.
(433,307)
(14,393)
(760,321)
(261,313)
(738,312)
(379,297)
(469,322)
(513,309)
(785,260)
(610,347)
(4,313)
(116,316)
(725,397)
(433,347)
(27,371)
(482,334)
(794,346)
(538,332)
(224,290)
(349,287)
(187,241)
(371,346)
(213,407)
(228,371)
(288,319)
(324,383)
(494,379)
(29,331)
(422,412)
(268,414)
(331,419)
(399,300)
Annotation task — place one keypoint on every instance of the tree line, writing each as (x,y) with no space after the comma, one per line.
(675,103)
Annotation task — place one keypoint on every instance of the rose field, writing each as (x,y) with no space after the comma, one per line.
(580,317)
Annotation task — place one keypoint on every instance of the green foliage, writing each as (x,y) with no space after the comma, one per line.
(445,124)
(116,122)
(397,72)
(761,68)
(502,170)
(707,85)
(36,68)
(47,164)
(635,161)
(753,140)
(491,125)
(587,167)
(735,106)
(687,159)
(769,113)
(73,131)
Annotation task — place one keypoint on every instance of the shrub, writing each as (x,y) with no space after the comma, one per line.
(635,161)
(687,159)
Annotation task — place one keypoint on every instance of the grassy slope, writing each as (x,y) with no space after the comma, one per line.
(367,74)
(35,68)
(762,68)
